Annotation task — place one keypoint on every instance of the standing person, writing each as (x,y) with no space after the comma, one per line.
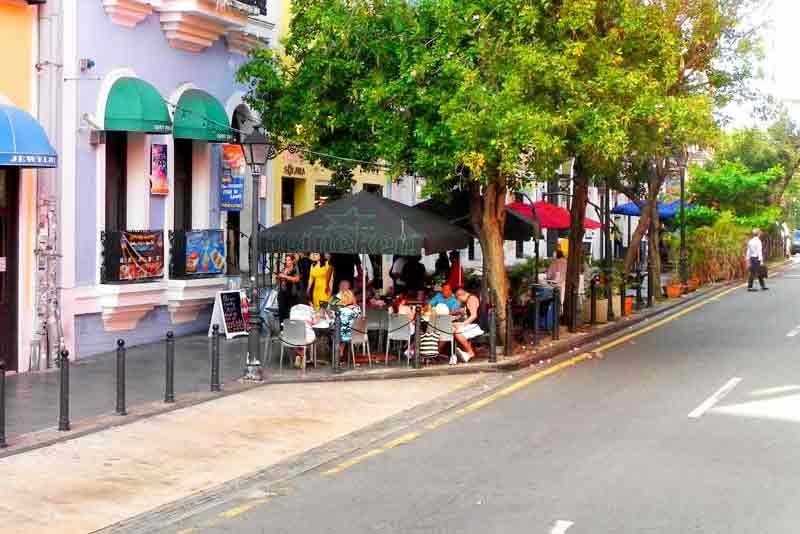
(304,269)
(755,255)
(470,327)
(345,267)
(319,280)
(396,274)
(288,280)
(456,276)
(442,268)
(414,275)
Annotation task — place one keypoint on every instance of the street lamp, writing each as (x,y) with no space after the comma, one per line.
(258,149)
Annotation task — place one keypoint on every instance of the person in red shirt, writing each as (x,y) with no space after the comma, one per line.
(456,276)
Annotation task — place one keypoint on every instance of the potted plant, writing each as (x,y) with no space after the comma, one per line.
(674,288)
(600,306)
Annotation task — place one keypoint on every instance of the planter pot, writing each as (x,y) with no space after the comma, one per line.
(694,284)
(601,315)
(629,305)
(616,305)
(674,291)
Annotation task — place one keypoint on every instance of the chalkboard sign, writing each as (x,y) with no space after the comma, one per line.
(230,313)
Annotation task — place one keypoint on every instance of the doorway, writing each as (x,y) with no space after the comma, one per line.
(9,186)
(116,181)
(183,185)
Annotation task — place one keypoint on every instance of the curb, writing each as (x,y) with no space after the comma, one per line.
(45,438)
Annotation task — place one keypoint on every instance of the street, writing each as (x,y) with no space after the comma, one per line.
(688,427)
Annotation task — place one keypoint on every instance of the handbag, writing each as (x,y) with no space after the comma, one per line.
(762,271)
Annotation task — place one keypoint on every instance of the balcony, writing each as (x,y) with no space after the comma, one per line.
(194,25)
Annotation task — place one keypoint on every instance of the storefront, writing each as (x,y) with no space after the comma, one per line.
(23,145)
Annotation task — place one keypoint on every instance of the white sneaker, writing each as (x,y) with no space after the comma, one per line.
(463,354)
(453,360)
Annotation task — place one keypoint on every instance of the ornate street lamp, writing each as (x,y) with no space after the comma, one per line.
(258,149)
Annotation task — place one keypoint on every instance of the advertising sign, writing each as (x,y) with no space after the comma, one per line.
(141,255)
(205,252)
(159,183)
(231,190)
(230,313)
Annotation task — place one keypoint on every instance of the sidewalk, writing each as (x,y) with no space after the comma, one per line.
(32,398)
(100,479)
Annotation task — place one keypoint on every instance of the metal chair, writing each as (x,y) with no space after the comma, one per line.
(444,327)
(273,327)
(399,329)
(359,336)
(377,320)
(294,336)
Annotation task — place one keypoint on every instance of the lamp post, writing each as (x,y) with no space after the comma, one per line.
(683,263)
(258,149)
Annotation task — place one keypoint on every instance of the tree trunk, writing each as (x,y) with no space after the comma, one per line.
(488,216)
(580,197)
(653,188)
(636,239)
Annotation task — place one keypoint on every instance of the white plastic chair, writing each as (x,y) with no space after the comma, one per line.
(399,329)
(359,336)
(377,320)
(294,336)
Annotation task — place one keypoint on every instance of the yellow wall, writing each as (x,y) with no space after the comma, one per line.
(16,42)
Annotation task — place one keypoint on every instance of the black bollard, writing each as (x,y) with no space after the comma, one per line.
(609,285)
(417,334)
(169,387)
(337,332)
(63,391)
(121,378)
(535,336)
(215,382)
(593,301)
(556,314)
(509,346)
(492,336)
(3,443)
(622,298)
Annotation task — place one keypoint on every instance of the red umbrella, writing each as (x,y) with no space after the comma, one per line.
(549,215)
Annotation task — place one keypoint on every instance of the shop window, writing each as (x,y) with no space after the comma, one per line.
(324,194)
(375,189)
(182,194)
(116,180)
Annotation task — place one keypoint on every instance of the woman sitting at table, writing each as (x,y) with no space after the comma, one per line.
(303,312)
(400,306)
(349,312)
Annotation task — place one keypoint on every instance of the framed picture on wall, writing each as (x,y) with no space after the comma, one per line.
(159,183)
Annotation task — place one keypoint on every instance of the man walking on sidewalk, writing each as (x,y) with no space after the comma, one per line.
(755,256)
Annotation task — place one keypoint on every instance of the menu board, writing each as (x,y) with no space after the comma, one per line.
(230,313)
(134,256)
(205,252)
(231,190)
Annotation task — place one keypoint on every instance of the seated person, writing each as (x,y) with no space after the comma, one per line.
(400,306)
(429,343)
(302,311)
(344,285)
(445,296)
(469,328)
(557,271)
(349,312)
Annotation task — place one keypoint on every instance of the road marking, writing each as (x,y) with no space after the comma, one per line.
(715,398)
(561,527)
(520,384)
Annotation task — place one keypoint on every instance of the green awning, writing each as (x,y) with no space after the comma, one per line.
(200,116)
(134,105)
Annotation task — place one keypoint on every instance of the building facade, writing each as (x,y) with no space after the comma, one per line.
(150,113)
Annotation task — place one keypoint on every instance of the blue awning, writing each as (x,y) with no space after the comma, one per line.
(665,211)
(23,142)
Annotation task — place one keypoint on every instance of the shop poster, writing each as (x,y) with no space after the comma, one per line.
(205,252)
(141,255)
(231,190)
(159,182)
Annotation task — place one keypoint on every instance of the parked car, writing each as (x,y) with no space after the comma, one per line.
(796,242)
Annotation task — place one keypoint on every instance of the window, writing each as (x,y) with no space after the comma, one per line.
(471,251)
(182,193)
(375,189)
(116,180)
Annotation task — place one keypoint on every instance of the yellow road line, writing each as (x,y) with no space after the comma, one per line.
(518,385)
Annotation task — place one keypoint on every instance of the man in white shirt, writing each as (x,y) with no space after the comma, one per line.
(755,256)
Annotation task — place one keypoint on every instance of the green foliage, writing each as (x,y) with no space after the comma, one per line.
(716,253)
(733,186)
(701,216)
(764,219)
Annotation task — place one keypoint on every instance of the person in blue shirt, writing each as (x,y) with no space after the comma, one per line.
(446,297)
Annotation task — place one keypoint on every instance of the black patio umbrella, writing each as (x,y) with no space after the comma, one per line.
(365,224)
(518,227)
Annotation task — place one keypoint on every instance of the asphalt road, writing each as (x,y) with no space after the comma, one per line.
(633,440)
